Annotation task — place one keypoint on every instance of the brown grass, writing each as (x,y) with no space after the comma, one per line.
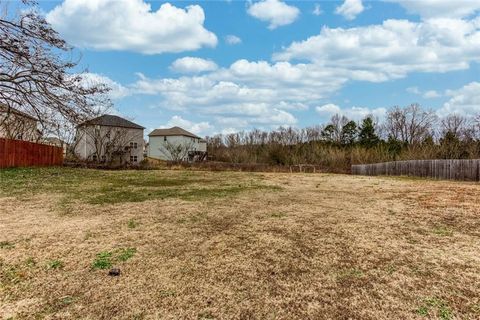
(321,247)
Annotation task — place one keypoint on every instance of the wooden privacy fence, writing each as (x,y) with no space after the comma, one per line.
(438,169)
(17,153)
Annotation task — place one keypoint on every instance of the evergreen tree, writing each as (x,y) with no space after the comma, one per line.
(367,136)
(349,133)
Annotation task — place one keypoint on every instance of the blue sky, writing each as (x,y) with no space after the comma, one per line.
(223,66)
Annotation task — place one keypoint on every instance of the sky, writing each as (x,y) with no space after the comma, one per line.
(225,66)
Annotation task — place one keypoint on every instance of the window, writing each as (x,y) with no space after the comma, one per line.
(133,145)
(133,158)
(94,157)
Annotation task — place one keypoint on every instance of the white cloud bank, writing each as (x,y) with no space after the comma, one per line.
(197,128)
(440,8)
(193,65)
(464,101)
(350,9)
(117,91)
(275,12)
(393,49)
(131,25)
(354,113)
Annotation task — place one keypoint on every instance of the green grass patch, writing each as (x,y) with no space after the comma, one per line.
(126,254)
(132,224)
(6,245)
(55,264)
(278,215)
(435,307)
(106,259)
(103,260)
(443,231)
(349,273)
(100,187)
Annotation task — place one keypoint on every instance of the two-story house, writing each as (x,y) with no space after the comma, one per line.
(109,138)
(176,144)
(18,125)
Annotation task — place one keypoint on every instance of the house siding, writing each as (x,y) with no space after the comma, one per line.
(157,150)
(85,147)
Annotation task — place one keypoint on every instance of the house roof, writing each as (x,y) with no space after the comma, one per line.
(174,131)
(112,121)
(4,108)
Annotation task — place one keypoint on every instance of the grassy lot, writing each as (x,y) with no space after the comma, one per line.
(225,245)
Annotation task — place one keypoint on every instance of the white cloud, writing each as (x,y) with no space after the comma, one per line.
(413,90)
(431,94)
(354,113)
(393,49)
(440,8)
(131,25)
(117,91)
(464,101)
(196,128)
(350,9)
(193,65)
(328,109)
(232,39)
(275,12)
(317,10)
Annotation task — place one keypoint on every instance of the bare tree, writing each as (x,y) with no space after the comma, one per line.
(410,124)
(176,151)
(36,70)
(455,124)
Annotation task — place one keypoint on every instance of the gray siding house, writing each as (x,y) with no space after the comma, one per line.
(176,144)
(109,138)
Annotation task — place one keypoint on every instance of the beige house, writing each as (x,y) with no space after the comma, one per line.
(17,125)
(176,144)
(109,138)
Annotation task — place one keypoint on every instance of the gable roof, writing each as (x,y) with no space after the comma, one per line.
(112,121)
(4,108)
(174,131)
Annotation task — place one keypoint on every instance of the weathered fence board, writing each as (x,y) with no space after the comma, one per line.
(17,153)
(451,169)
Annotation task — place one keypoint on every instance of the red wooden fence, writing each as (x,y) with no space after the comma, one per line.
(17,153)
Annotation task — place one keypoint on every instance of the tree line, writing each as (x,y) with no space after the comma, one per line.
(409,132)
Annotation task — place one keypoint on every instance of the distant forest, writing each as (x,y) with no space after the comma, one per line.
(406,133)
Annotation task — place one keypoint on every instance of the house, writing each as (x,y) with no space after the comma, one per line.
(109,138)
(18,125)
(176,144)
(56,142)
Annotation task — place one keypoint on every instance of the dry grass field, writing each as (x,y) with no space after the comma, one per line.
(226,245)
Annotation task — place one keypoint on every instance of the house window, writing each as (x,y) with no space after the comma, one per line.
(94,157)
(133,158)
(133,145)
(165,138)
